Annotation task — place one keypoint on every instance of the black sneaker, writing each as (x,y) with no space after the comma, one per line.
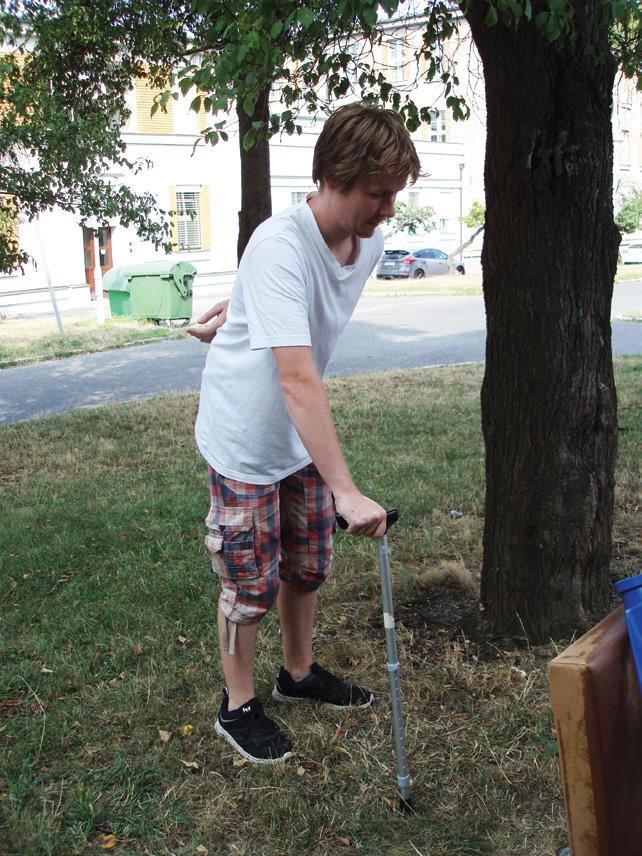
(320,686)
(252,734)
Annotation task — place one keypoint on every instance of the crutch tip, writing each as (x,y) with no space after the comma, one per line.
(406,806)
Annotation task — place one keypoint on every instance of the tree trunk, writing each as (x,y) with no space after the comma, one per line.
(549,261)
(256,194)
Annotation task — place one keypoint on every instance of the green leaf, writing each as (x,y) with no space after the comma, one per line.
(369,16)
(491,17)
(276,29)
(249,103)
(196,104)
(306,18)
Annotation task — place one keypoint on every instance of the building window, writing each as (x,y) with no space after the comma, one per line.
(396,59)
(438,127)
(188,211)
(413,199)
(298,196)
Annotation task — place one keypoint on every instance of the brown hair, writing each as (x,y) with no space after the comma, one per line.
(360,140)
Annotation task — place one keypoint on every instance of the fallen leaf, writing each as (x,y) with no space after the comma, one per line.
(191,765)
(300,771)
(181,639)
(109,842)
(164,736)
(187,729)
(239,762)
(207,658)
(482,608)
(202,851)
(344,842)
(46,671)
(138,649)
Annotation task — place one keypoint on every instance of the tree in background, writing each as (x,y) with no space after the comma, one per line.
(630,214)
(65,69)
(270,60)
(475,219)
(410,218)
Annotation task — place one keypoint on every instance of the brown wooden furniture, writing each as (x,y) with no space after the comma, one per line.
(597,707)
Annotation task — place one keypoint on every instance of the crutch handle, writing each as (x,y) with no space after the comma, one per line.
(392,515)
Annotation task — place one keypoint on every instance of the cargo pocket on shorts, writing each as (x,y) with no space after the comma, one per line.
(230,542)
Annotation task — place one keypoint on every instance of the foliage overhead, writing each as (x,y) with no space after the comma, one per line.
(65,69)
(314,55)
(68,65)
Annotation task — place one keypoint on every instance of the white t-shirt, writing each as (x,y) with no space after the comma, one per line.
(290,290)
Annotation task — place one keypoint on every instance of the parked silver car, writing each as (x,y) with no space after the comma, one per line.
(632,253)
(402,264)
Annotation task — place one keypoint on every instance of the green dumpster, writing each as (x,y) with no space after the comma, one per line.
(160,291)
(117,284)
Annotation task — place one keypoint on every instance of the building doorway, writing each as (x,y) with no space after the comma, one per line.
(89,250)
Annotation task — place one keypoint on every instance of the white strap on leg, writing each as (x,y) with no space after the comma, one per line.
(229,637)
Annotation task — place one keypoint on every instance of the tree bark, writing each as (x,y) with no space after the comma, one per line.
(549,260)
(256,193)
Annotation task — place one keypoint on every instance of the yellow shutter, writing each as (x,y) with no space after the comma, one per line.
(410,70)
(160,122)
(206,219)
(172,207)
(384,57)
(201,118)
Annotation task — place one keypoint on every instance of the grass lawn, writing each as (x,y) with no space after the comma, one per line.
(449,284)
(109,675)
(24,340)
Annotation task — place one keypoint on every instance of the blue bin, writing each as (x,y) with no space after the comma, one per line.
(630,590)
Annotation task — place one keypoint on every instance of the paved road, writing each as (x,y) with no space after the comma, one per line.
(385,333)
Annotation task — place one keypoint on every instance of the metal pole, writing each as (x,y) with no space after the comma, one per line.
(43,259)
(403,779)
(461,209)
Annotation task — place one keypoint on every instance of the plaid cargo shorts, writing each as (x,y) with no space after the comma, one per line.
(258,534)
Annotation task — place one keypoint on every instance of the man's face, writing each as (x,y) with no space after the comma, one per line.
(362,208)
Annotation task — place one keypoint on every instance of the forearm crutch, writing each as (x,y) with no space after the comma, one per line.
(403,779)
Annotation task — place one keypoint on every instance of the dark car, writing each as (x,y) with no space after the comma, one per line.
(402,264)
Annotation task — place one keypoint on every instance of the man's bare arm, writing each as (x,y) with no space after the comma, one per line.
(309,409)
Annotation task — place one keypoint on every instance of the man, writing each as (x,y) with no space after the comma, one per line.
(277,473)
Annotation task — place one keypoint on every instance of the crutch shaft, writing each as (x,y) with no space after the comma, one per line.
(403,779)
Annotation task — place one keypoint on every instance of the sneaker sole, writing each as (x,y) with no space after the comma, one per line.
(277,695)
(238,748)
